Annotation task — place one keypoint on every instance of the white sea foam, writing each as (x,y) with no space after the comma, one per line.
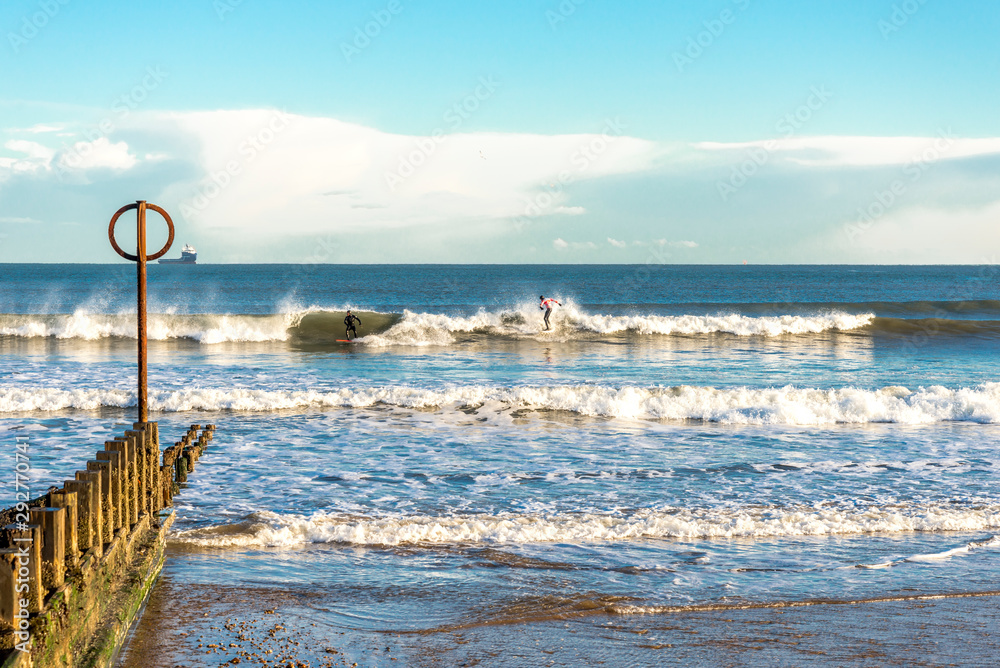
(15,400)
(572,322)
(992,541)
(208,328)
(421,329)
(267,528)
(741,405)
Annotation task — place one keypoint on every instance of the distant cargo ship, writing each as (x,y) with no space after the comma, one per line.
(188,256)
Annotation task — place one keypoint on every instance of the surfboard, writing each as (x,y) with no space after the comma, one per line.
(344,341)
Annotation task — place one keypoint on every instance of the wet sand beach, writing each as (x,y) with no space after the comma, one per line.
(193,624)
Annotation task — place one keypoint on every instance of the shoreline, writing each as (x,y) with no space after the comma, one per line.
(199,624)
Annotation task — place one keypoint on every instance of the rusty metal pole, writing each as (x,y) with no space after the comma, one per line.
(140,258)
(140,252)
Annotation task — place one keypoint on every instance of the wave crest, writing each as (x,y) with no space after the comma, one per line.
(269,529)
(787,405)
(319,326)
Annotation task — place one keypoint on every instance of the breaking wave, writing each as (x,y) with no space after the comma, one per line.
(317,326)
(787,405)
(265,528)
(572,323)
(208,328)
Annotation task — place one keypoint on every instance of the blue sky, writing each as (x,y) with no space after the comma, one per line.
(573,131)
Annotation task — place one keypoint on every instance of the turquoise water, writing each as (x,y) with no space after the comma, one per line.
(686,436)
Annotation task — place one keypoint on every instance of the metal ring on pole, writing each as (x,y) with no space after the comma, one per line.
(129,256)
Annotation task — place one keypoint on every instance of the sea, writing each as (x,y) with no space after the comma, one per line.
(690,449)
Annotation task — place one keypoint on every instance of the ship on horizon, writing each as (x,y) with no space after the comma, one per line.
(188,256)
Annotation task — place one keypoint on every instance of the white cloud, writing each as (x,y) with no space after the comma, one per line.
(666,242)
(97,154)
(560,244)
(262,165)
(38,157)
(286,179)
(45,127)
(927,234)
(864,151)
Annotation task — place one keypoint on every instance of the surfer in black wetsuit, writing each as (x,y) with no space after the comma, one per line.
(349,321)
(547,305)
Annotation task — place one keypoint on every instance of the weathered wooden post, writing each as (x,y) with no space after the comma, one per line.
(103,469)
(53,524)
(68,501)
(181,468)
(118,508)
(27,540)
(84,512)
(93,479)
(142,471)
(9,606)
(143,433)
(120,445)
(131,453)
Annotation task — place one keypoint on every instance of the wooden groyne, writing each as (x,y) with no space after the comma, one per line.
(77,564)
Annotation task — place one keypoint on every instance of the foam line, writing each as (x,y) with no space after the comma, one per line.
(787,405)
(267,528)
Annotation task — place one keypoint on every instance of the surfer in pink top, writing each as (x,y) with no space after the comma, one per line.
(546,304)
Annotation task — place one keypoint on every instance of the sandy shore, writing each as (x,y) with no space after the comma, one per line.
(190,624)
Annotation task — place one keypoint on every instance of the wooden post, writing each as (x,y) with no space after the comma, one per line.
(150,436)
(132,453)
(181,468)
(144,464)
(114,458)
(167,473)
(9,597)
(84,513)
(53,524)
(27,540)
(121,446)
(154,449)
(93,480)
(68,501)
(107,507)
